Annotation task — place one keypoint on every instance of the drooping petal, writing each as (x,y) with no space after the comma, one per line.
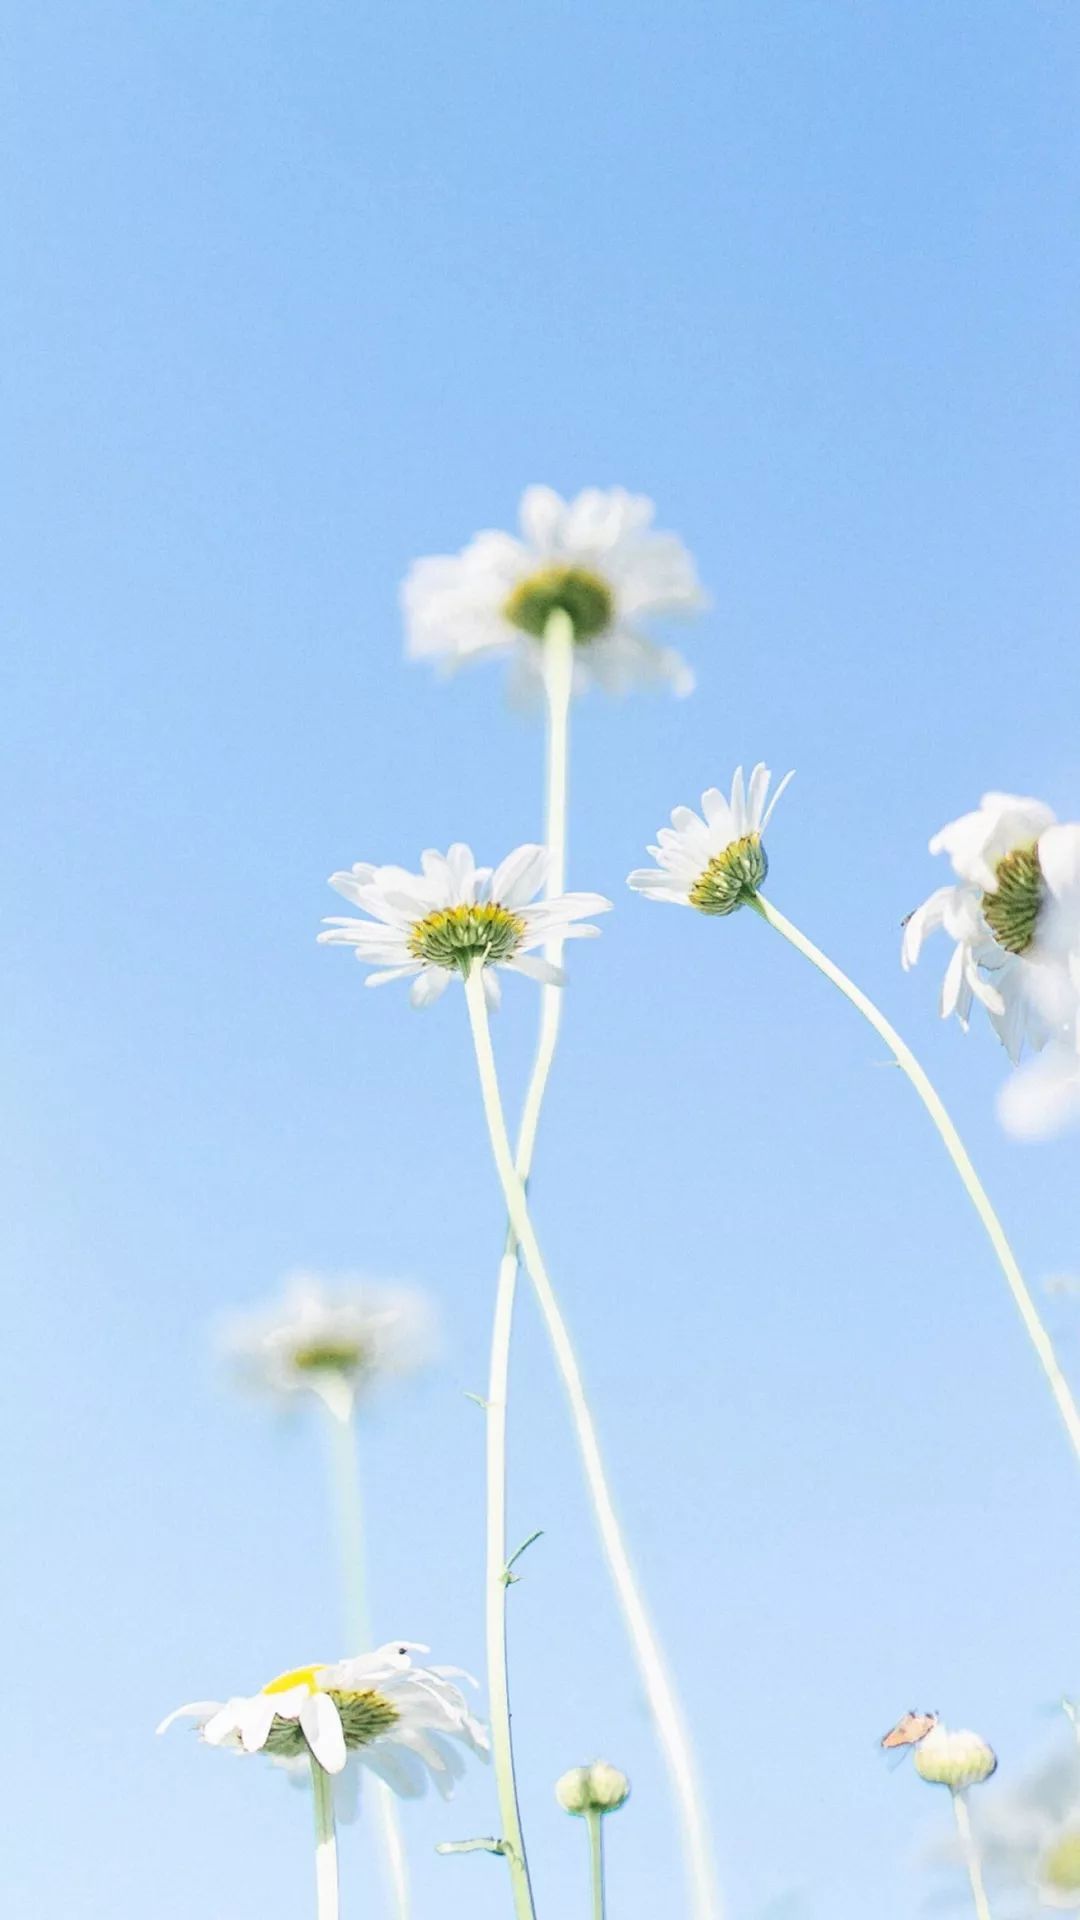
(320,1722)
(429,986)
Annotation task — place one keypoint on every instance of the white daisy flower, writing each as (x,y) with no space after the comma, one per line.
(1030,1836)
(395,1718)
(431,925)
(338,1340)
(595,558)
(715,864)
(1014,916)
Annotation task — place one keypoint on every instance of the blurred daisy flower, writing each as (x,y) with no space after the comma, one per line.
(596,558)
(1031,1835)
(397,1719)
(1013,914)
(338,1341)
(715,863)
(431,925)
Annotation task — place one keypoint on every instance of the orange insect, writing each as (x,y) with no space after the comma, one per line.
(909,1730)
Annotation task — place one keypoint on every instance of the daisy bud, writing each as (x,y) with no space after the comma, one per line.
(597,1789)
(954,1760)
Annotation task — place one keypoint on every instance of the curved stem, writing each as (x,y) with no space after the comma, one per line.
(971,1855)
(663,1702)
(957,1152)
(345,1472)
(595,1820)
(326,1867)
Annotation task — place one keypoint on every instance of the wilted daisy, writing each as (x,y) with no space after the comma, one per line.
(715,863)
(319,1337)
(1013,913)
(596,558)
(398,1719)
(454,915)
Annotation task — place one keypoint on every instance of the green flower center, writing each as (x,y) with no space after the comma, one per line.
(1060,1870)
(732,877)
(456,936)
(1012,909)
(584,596)
(327,1356)
(363,1717)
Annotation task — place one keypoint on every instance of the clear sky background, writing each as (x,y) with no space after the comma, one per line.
(295,293)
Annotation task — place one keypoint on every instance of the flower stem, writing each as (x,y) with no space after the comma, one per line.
(345,1473)
(558,659)
(326,1867)
(658,1685)
(971,1854)
(957,1152)
(595,1822)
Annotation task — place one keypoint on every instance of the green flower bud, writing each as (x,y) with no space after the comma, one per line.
(597,1789)
(954,1760)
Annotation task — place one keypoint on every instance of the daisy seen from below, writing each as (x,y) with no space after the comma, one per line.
(595,559)
(453,916)
(1013,914)
(715,863)
(718,864)
(339,1339)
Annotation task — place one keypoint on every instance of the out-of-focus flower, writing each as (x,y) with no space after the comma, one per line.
(715,864)
(1043,1097)
(396,1718)
(596,559)
(1030,1836)
(1014,917)
(338,1340)
(599,1788)
(431,925)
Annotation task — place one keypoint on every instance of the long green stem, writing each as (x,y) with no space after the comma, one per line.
(659,1689)
(595,1822)
(971,1855)
(326,1866)
(958,1154)
(345,1473)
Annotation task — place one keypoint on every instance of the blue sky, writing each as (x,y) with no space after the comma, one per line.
(296,293)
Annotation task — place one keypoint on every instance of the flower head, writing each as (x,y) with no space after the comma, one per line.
(337,1341)
(596,558)
(715,864)
(454,915)
(599,1788)
(396,1718)
(1013,914)
(955,1760)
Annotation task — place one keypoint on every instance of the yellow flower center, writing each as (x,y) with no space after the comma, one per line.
(456,936)
(574,590)
(296,1677)
(328,1356)
(1061,1868)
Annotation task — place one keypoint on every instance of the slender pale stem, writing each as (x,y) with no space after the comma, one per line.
(345,1472)
(558,658)
(326,1866)
(595,1822)
(970,1851)
(958,1154)
(663,1701)
(495,1586)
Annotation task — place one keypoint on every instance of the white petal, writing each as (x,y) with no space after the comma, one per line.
(521,875)
(256,1721)
(387,974)
(1059,858)
(429,986)
(195,1710)
(537,969)
(322,1729)
(492,989)
(771,808)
